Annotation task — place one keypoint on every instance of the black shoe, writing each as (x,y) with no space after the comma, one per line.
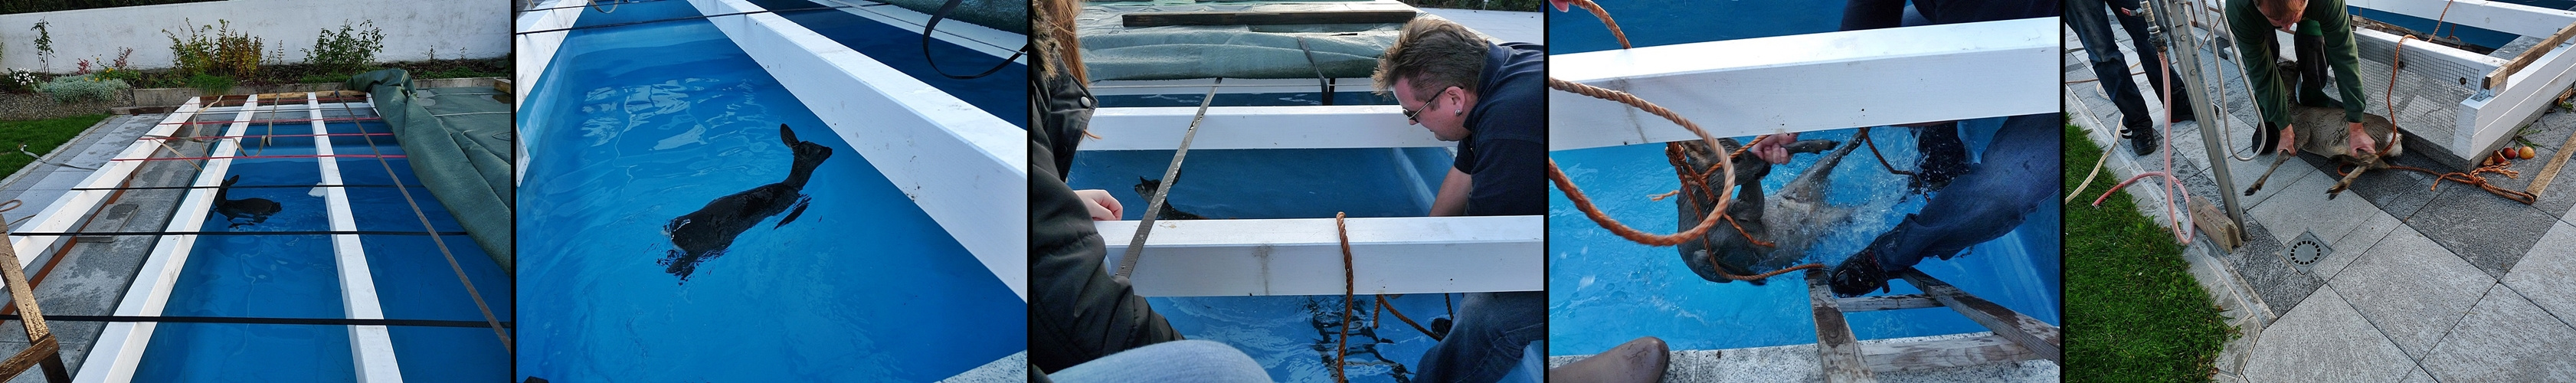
(2182,113)
(1944,158)
(1859,275)
(2263,141)
(2142,137)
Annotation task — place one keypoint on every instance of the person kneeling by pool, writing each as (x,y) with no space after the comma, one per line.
(2016,177)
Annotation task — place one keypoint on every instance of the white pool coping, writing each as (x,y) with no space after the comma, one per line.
(963,166)
(120,346)
(1303,256)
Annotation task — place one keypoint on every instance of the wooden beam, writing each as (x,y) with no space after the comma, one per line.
(42,349)
(2496,78)
(1810,82)
(1258,127)
(1158,19)
(1404,255)
(1836,349)
(1886,302)
(1924,355)
(2491,15)
(45,352)
(2488,119)
(2039,337)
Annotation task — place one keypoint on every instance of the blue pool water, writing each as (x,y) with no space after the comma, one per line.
(863,286)
(1291,336)
(1667,22)
(1001,93)
(295,276)
(1626,290)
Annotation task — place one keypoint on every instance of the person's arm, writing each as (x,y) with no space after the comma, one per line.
(1452,200)
(2341,54)
(1873,14)
(1102,206)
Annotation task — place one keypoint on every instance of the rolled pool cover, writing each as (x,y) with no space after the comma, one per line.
(458,140)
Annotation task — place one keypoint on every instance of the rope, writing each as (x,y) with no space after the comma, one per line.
(1725,195)
(470,291)
(1342,349)
(1575,194)
(1381,304)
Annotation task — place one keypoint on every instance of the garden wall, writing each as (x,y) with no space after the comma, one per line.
(454,29)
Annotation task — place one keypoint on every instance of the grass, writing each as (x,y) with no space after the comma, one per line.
(2134,312)
(41,136)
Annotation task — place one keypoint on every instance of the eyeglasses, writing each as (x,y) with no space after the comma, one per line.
(1414,116)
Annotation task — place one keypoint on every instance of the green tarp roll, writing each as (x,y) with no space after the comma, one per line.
(458,143)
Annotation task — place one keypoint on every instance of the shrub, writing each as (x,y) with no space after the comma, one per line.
(211,84)
(215,49)
(19,81)
(70,89)
(347,50)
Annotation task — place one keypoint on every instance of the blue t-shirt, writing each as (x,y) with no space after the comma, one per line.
(1506,147)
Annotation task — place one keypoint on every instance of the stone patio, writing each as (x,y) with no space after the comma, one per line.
(2424,284)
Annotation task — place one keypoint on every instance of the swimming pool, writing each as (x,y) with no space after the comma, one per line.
(1292,337)
(1627,290)
(862,286)
(301,276)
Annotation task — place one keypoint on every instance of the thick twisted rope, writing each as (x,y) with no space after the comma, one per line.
(1725,194)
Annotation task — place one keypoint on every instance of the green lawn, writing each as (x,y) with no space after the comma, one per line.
(41,136)
(2134,313)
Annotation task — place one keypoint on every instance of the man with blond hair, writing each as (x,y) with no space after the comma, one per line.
(1490,99)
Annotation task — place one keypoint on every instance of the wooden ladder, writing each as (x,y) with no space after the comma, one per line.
(42,349)
(2016,337)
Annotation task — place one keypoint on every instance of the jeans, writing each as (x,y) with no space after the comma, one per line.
(2086,17)
(1175,361)
(1491,335)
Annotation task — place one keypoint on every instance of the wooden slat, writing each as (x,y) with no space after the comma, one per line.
(2547,173)
(2496,78)
(1836,348)
(1948,353)
(43,350)
(1157,19)
(1886,302)
(2039,337)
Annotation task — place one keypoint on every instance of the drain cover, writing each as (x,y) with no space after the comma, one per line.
(2305,251)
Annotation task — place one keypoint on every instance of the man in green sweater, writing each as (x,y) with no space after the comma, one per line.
(2323,32)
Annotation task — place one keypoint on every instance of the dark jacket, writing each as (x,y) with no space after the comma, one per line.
(1507,134)
(1077,311)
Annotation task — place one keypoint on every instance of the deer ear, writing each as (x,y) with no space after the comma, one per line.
(786,135)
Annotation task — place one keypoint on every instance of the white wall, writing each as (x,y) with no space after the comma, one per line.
(481,28)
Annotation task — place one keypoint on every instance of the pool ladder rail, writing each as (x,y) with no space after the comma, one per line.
(42,349)
(2016,337)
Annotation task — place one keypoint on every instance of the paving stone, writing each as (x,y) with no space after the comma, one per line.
(2400,193)
(2506,339)
(2547,275)
(2490,231)
(2305,208)
(2325,340)
(2364,236)
(2259,262)
(2411,289)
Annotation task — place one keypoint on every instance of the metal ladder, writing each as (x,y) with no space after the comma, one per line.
(2016,337)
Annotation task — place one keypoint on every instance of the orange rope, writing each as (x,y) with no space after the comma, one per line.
(1383,306)
(1342,349)
(1725,193)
